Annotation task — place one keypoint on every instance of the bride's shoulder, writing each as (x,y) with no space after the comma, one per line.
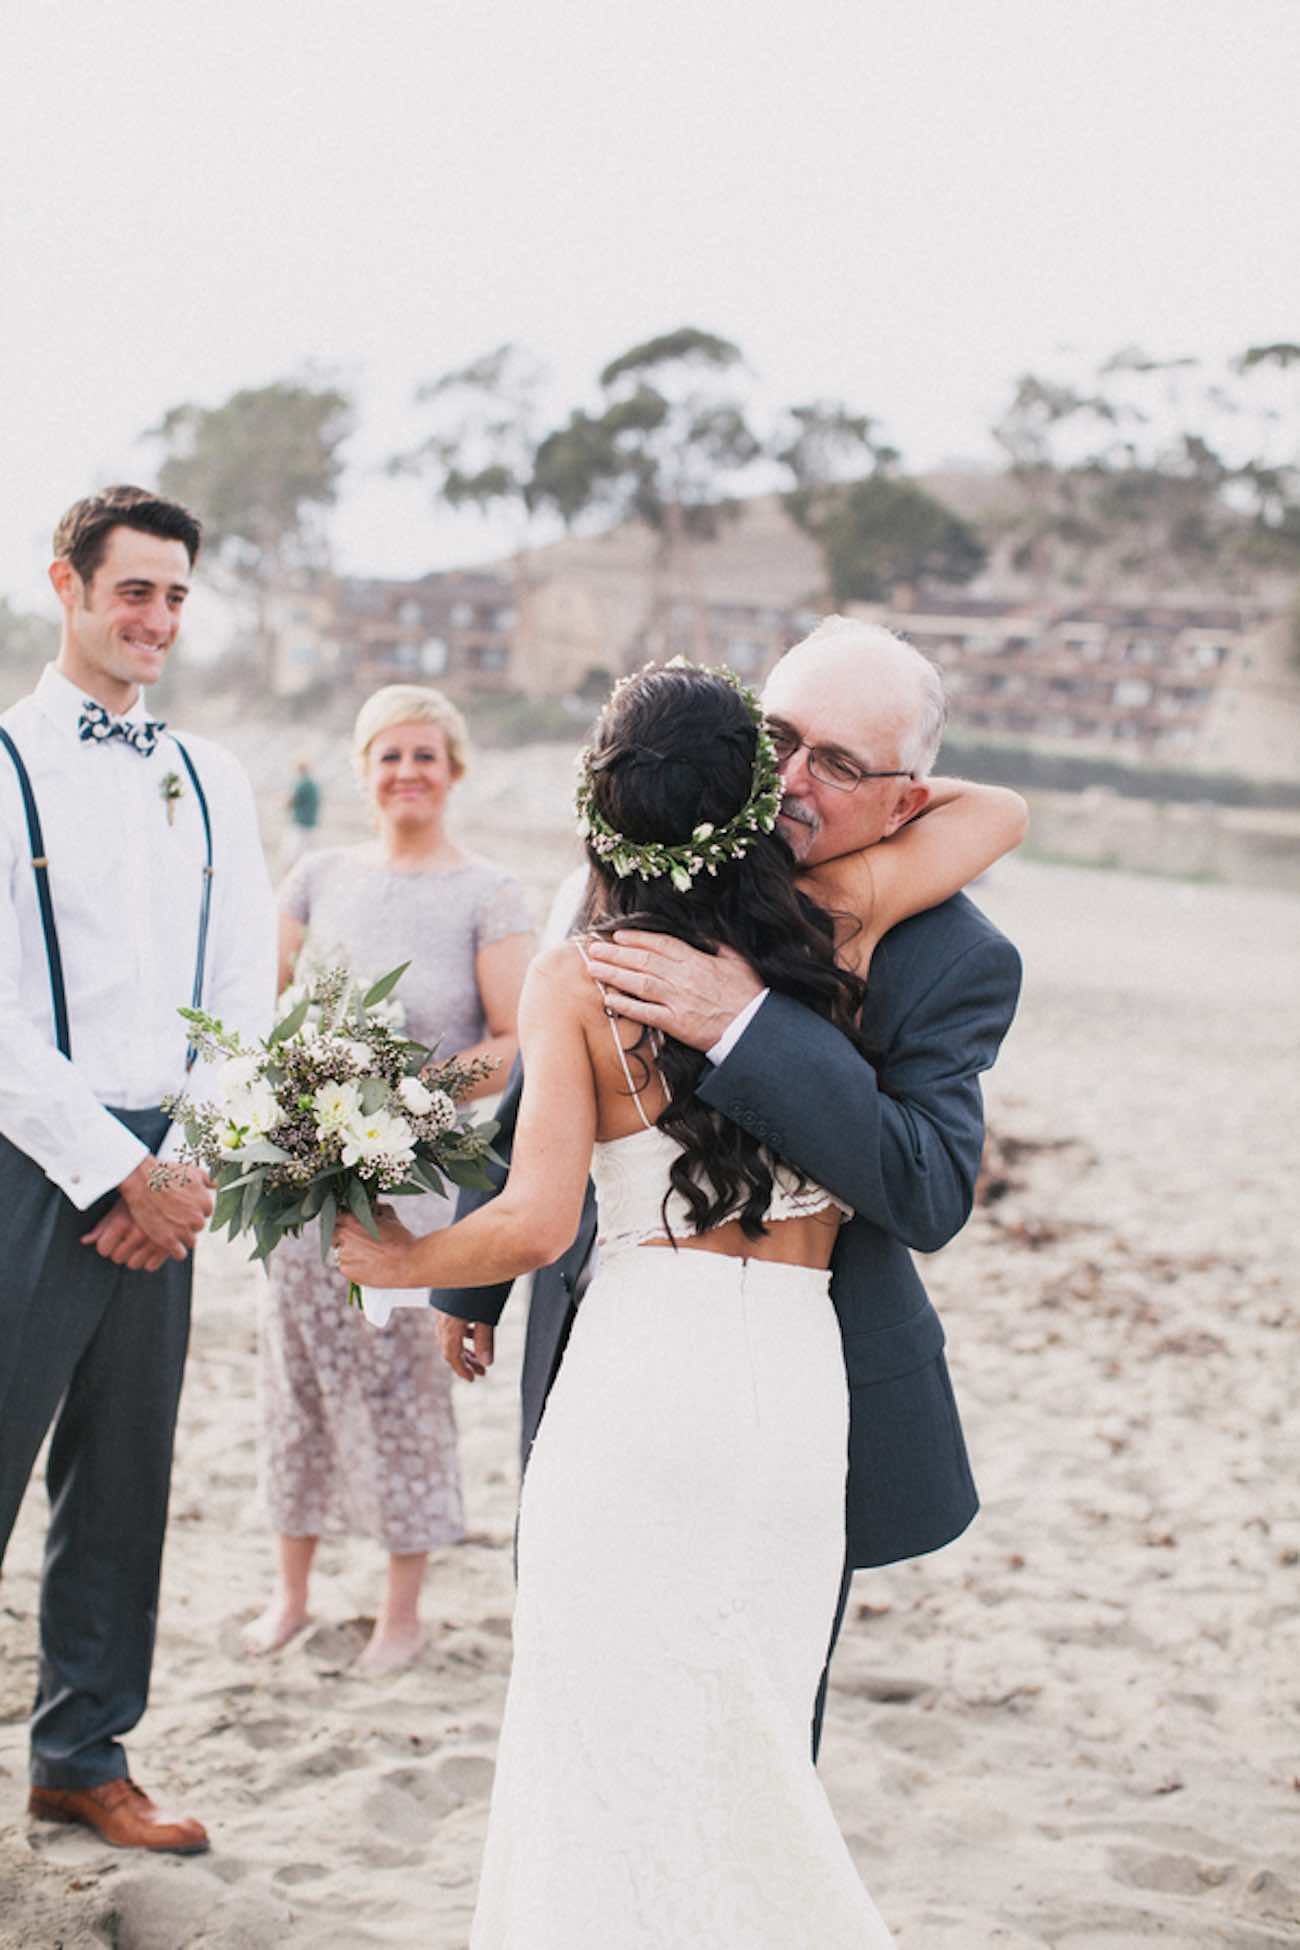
(563,973)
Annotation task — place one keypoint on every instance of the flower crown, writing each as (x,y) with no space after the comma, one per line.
(709,847)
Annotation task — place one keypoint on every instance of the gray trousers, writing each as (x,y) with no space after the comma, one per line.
(99,1352)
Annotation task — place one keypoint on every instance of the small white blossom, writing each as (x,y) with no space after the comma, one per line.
(441,1110)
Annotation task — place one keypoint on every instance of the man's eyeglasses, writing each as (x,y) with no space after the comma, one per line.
(827,765)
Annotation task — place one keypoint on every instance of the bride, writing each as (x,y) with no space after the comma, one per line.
(681,1535)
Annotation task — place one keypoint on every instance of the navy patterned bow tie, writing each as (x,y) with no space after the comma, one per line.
(96,726)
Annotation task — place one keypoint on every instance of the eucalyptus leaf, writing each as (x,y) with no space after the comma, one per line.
(292,1023)
(252,1195)
(374,1096)
(384,986)
(328,1213)
(227,1205)
(360,1207)
(313,1200)
(470,1175)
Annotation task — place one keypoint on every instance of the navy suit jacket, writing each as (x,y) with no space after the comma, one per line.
(899,1138)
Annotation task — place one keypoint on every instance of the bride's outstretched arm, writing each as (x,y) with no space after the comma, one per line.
(536,1214)
(959,832)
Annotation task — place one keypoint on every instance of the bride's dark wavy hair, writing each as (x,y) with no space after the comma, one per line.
(674,748)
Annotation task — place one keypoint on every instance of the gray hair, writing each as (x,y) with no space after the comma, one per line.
(919,746)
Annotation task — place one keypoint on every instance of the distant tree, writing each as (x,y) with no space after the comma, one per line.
(670,448)
(878,533)
(26,642)
(1283,353)
(25,639)
(823,445)
(483,434)
(480,450)
(260,470)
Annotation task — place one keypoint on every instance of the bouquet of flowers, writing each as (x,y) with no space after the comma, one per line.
(335,1108)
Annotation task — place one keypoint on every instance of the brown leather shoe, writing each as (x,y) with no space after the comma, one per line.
(122,1815)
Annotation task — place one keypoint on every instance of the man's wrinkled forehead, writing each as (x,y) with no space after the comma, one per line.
(859,704)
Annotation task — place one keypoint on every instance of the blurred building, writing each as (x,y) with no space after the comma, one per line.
(1192,680)
(1189,684)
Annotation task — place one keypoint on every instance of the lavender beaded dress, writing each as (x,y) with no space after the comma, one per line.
(358,1434)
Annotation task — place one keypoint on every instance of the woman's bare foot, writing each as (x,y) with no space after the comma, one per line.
(390,1648)
(280,1622)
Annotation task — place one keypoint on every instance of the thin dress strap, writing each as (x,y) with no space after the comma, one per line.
(618,1040)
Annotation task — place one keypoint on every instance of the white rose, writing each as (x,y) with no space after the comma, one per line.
(237,1075)
(259,1109)
(379,1136)
(413,1094)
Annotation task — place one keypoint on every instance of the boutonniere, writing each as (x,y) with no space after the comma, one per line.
(171,790)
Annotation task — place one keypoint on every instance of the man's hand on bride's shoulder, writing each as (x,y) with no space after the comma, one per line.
(658,980)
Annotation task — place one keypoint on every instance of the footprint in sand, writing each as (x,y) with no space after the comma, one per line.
(337,1646)
(320,1765)
(468,1777)
(1169,1875)
(294,1873)
(266,1733)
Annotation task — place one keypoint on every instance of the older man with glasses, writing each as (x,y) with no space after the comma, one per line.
(856,716)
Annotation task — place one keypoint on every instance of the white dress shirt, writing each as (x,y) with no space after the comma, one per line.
(126,884)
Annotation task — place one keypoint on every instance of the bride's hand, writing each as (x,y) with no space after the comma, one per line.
(385,1261)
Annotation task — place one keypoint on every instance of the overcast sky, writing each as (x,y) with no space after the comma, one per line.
(904,203)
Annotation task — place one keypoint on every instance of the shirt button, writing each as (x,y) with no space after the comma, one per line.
(74,1177)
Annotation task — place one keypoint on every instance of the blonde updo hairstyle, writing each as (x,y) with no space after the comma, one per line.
(409,704)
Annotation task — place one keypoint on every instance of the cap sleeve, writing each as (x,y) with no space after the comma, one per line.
(295,893)
(500,910)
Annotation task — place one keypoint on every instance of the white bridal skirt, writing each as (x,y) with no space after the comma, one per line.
(681,1544)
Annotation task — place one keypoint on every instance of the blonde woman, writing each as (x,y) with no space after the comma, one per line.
(358,1436)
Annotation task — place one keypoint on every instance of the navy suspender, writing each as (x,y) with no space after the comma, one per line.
(41,869)
(205,904)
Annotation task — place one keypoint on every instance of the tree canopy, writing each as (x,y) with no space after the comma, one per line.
(259,470)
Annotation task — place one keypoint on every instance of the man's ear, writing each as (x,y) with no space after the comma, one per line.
(913,799)
(65,582)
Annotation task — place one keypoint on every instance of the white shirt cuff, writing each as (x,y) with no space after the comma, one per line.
(106,1154)
(736,1028)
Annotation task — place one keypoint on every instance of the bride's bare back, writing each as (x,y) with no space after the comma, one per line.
(622,1075)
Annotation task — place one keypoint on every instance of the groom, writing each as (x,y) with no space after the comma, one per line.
(132,884)
(897,1136)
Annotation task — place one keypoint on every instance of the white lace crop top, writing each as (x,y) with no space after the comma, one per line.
(630,1175)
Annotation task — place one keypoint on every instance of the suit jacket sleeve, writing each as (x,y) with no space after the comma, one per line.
(899,1141)
(485,1303)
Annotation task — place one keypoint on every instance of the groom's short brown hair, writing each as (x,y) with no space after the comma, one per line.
(82,535)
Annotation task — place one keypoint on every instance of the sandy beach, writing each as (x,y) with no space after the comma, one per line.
(1079,1726)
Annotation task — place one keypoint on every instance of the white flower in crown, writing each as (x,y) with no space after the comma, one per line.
(335,1105)
(417,1099)
(381,1135)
